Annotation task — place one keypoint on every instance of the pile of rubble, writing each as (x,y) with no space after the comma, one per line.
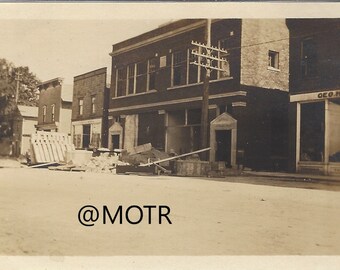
(104,163)
(142,159)
(145,157)
(107,163)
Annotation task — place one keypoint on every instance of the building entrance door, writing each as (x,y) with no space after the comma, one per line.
(115,141)
(223,139)
(86,136)
(223,146)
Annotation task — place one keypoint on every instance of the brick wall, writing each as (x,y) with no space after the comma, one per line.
(47,97)
(325,34)
(86,86)
(258,37)
(164,48)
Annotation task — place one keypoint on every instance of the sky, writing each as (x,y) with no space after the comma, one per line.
(69,39)
(66,48)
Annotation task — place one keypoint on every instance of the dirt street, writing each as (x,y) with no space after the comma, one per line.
(39,216)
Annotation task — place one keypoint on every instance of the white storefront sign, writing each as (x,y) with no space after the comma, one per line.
(315,96)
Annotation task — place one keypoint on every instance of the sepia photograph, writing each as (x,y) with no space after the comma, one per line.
(169,136)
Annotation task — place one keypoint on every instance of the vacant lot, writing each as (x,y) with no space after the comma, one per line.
(39,216)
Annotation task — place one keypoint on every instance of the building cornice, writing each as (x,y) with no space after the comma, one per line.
(53,82)
(160,37)
(177,101)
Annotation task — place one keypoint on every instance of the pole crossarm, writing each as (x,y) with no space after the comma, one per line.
(209,47)
(209,56)
(207,66)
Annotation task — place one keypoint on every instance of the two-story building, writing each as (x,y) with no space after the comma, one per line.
(315,95)
(54,110)
(89,110)
(156,93)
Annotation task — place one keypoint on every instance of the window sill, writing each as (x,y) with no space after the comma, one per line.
(311,162)
(133,95)
(331,163)
(273,69)
(199,83)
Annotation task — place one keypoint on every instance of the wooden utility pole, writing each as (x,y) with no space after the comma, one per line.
(205,94)
(207,55)
(17,78)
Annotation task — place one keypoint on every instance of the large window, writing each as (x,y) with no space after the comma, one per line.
(308,57)
(179,62)
(141,77)
(214,63)
(334,130)
(183,130)
(224,64)
(312,133)
(121,82)
(196,73)
(131,80)
(194,70)
(152,74)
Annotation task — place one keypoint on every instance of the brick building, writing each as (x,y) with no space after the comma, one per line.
(89,110)
(156,94)
(54,110)
(315,95)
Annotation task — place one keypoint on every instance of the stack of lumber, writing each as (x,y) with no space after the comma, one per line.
(49,147)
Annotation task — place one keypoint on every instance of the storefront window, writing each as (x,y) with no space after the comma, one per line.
(334,130)
(312,135)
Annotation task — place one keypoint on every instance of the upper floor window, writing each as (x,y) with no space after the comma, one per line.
(134,78)
(80,106)
(53,112)
(221,61)
(121,82)
(93,104)
(224,63)
(152,73)
(179,63)
(44,110)
(141,77)
(273,59)
(131,79)
(194,70)
(308,57)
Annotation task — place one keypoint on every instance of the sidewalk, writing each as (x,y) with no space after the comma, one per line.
(294,176)
(9,162)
